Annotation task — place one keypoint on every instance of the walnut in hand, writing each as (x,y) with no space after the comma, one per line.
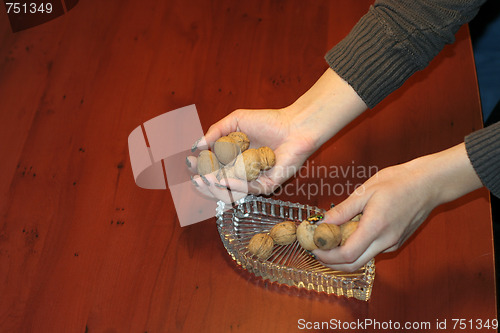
(305,235)
(249,164)
(207,162)
(327,236)
(349,227)
(231,153)
(227,148)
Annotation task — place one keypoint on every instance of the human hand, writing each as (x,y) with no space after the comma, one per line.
(292,145)
(395,202)
(294,133)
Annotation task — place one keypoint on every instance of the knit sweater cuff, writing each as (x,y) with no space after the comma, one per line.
(372,61)
(483,149)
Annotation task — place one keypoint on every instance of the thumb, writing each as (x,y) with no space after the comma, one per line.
(345,210)
(223,127)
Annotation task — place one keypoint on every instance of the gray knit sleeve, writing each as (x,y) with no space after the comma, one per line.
(395,39)
(483,149)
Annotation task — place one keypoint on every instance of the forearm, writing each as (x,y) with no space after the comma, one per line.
(448,174)
(328,106)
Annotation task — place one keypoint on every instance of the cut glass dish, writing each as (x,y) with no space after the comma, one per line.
(289,264)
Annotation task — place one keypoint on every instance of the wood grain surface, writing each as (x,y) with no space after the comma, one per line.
(83,249)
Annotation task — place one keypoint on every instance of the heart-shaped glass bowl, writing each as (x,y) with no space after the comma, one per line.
(288,264)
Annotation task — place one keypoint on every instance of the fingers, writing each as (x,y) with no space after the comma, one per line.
(369,254)
(192,164)
(346,210)
(262,185)
(209,186)
(223,127)
(362,245)
(355,250)
(237,185)
(379,230)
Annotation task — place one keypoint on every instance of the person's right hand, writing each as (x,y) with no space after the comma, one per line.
(395,202)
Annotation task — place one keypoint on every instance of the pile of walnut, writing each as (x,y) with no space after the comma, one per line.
(311,236)
(231,158)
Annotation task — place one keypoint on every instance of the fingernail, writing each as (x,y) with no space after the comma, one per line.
(195,145)
(221,186)
(188,163)
(311,254)
(315,218)
(194,182)
(205,180)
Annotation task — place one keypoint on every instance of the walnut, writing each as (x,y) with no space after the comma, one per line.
(226,149)
(261,245)
(327,236)
(232,150)
(347,229)
(267,158)
(207,162)
(305,235)
(357,217)
(247,165)
(241,140)
(284,233)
